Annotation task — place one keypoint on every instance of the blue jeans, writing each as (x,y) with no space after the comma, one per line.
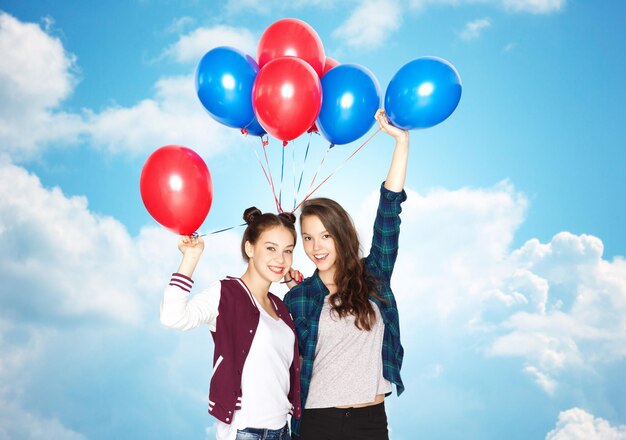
(263,434)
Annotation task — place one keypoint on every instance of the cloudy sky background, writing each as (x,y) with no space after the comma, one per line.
(511,279)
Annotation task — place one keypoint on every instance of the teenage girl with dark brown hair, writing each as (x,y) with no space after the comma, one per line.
(255,382)
(346,315)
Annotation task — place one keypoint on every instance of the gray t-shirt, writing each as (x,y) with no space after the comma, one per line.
(348,368)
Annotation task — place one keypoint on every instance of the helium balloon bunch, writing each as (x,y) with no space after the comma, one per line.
(291,88)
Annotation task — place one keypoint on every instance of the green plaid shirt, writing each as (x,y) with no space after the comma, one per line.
(305,300)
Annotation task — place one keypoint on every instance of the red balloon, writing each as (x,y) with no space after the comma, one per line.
(287,97)
(329,64)
(176,188)
(291,37)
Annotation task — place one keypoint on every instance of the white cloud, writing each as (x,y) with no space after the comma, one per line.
(521,6)
(35,65)
(36,75)
(210,432)
(585,320)
(39,75)
(192,46)
(578,424)
(509,47)
(534,6)
(260,6)
(370,25)
(422,4)
(16,422)
(173,116)
(274,6)
(474,28)
(545,382)
(65,261)
(179,24)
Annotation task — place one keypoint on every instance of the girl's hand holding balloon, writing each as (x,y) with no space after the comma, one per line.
(191,247)
(383,122)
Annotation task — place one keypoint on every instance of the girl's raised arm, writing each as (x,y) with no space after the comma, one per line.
(397,170)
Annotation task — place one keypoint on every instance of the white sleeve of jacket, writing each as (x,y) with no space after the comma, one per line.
(181,311)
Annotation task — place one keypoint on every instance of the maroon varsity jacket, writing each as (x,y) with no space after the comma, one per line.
(234,331)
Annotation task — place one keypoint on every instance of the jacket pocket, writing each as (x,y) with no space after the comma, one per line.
(217,363)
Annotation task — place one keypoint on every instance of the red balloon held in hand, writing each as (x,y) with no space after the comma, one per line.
(291,37)
(287,96)
(176,188)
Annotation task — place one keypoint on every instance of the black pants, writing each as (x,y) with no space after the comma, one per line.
(368,423)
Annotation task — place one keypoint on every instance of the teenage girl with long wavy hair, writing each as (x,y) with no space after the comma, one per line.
(346,315)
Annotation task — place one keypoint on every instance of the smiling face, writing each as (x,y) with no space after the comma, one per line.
(271,256)
(318,244)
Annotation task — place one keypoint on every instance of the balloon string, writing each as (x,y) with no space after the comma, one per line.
(269,170)
(267,177)
(306,154)
(261,164)
(293,171)
(337,169)
(196,235)
(320,166)
(282,173)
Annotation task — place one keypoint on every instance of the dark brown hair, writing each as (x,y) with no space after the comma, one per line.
(259,223)
(354,284)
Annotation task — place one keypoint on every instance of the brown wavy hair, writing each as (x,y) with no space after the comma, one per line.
(354,284)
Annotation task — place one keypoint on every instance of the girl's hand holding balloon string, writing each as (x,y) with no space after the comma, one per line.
(293,278)
(190,244)
(191,247)
(383,122)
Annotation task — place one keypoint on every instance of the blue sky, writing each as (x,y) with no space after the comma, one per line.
(511,278)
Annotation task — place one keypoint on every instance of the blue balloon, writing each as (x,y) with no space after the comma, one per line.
(350,98)
(423,93)
(255,129)
(224,80)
